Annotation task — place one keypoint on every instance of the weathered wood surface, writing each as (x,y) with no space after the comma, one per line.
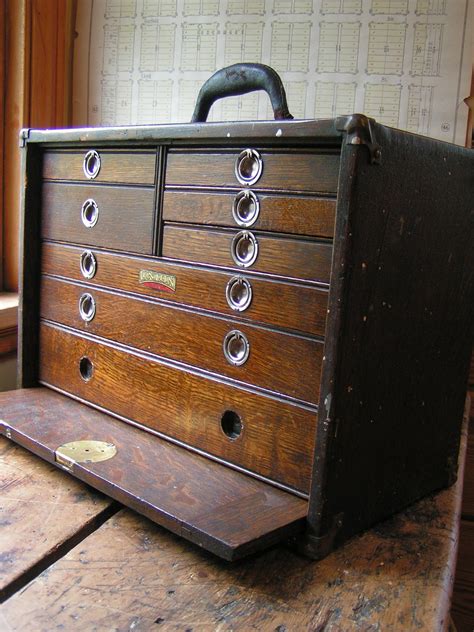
(463,597)
(131,574)
(42,514)
(221,509)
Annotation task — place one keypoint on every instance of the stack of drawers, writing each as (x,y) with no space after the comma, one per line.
(185,291)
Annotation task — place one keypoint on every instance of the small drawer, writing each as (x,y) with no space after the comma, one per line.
(97,165)
(249,251)
(277,303)
(109,216)
(251,209)
(276,361)
(296,171)
(270,438)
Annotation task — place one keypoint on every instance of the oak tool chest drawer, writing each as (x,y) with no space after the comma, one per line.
(269,322)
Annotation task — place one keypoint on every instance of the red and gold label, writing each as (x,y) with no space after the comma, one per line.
(157,280)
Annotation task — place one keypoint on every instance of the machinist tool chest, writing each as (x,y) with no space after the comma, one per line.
(247,332)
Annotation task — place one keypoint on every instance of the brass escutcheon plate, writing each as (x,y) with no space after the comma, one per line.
(86,451)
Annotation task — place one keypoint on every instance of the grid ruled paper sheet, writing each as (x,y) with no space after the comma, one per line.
(407,63)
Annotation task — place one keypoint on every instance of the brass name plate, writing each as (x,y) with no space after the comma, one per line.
(157,280)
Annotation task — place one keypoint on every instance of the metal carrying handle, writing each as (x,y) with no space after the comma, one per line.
(240,79)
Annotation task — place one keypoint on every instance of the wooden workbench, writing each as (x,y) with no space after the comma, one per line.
(71,559)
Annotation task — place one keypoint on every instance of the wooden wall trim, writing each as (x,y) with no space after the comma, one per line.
(2,125)
(38,85)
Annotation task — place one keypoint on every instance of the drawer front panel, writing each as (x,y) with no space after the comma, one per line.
(124,216)
(126,168)
(276,439)
(283,363)
(281,171)
(274,303)
(294,258)
(285,214)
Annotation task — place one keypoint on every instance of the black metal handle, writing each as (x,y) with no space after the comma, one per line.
(240,79)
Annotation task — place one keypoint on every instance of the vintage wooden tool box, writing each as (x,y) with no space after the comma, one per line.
(247,332)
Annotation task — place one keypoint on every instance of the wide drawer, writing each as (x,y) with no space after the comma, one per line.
(276,213)
(270,438)
(280,362)
(278,303)
(114,217)
(111,166)
(294,258)
(315,172)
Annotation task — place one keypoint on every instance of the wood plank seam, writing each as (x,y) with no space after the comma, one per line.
(60,551)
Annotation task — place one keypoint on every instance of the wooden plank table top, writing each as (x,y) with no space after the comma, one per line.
(129,574)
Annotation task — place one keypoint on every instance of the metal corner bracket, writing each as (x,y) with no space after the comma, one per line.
(317,547)
(24,135)
(5,429)
(359,130)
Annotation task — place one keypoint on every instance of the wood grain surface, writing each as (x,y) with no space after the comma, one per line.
(288,305)
(463,594)
(295,171)
(120,167)
(218,508)
(125,216)
(294,258)
(280,362)
(277,439)
(395,577)
(468,494)
(284,213)
(42,515)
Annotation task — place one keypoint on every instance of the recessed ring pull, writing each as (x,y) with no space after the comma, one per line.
(91,164)
(244,249)
(89,213)
(248,166)
(88,264)
(87,307)
(236,347)
(238,293)
(246,208)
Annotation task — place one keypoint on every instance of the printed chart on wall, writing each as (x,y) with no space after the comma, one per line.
(407,63)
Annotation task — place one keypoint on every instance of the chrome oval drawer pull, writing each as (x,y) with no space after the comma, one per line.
(248,166)
(88,264)
(91,164)
(236,347)
(244,249)
(238,293)
(87,307)
(246,208)
(90,213)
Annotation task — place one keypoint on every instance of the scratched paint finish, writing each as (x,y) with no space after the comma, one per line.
(40,510)
(132,575)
